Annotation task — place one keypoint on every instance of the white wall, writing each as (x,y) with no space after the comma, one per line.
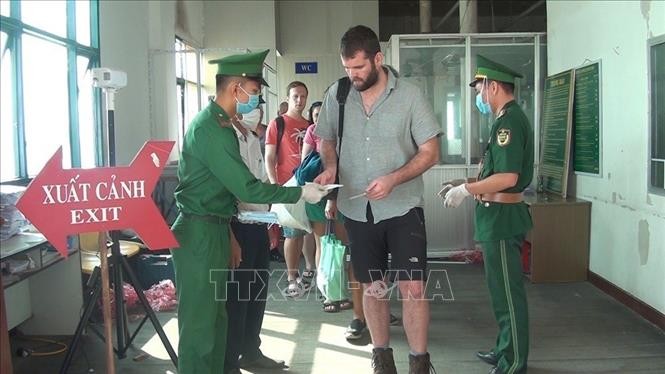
(310,31)
(190,21)
(123,34)
(161,72)
(299,30)
(135,37)
(627,222)
(329,70)
(235,26)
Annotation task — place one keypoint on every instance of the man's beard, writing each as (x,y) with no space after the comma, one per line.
(371,80)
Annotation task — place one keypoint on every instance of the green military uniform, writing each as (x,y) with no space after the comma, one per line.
(212,178)
(501,228)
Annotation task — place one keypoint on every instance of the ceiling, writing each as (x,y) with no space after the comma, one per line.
(402,16)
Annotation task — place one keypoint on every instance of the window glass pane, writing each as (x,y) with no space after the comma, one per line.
(425,41)
(7,129)
(48,15)
(657,100)
(440,74)
(179,57)
(45,98)
(190,63)
(83,22)
(182,126)
(86,115)
(205,96)
(657,67)
(658,174)
(4,8)
(191,102)
(519,58)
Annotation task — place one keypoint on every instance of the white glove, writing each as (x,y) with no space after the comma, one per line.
(313,192)
(455,196)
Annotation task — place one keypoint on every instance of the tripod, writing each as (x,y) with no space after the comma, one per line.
(117,265)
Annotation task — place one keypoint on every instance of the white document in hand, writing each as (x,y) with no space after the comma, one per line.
(329,187)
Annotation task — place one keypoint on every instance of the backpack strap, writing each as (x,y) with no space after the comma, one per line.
(343,88)
(280,133)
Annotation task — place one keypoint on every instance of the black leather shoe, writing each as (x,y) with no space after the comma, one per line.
(489,357)
(262,362)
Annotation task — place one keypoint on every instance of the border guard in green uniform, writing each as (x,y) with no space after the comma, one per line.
(502,218)
(212,178)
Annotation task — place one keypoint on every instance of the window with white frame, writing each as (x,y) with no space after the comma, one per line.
(191,96)
(657,111)
(47,101)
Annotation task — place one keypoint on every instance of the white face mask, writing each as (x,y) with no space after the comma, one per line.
(251,120)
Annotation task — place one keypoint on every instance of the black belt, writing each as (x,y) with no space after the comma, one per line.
(208,218)
(234,219)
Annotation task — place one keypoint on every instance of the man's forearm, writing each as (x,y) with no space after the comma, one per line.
(427,156)
(270,170)
(272,176)
(329,154)
(271,162)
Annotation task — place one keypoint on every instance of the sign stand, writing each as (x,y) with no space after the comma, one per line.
(117,263)
(106,302)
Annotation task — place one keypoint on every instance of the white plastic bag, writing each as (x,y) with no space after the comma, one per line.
(292,215)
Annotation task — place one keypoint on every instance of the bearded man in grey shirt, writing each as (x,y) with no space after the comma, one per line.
(389,140)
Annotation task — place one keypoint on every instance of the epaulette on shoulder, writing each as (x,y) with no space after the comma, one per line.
(224,122)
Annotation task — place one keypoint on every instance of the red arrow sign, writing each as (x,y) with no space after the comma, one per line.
(59,202)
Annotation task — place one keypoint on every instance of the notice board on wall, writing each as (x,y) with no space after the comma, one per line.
(587,120)
(557,132)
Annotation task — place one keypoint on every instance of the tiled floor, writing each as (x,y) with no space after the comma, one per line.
(575,328)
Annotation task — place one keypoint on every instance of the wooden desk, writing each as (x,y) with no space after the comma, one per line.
(559,239)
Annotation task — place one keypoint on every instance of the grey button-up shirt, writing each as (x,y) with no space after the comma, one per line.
(377,143)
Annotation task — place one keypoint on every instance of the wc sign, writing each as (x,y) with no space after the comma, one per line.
(307,67)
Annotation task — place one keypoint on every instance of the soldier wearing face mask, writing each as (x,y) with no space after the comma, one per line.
(502,218)
(212,178)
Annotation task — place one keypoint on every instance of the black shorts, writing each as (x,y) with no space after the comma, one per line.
(403,237)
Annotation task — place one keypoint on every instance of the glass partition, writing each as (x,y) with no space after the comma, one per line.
(519,56)
(442,65)
(440,71)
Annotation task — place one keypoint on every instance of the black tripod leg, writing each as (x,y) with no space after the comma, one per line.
(149,312)
(119,295)
(136,332)
(93,295)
